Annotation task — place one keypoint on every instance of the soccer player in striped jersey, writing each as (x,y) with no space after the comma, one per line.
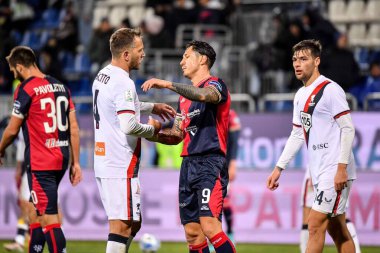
(321,118)
(44,109)
(118,133)
(202,123)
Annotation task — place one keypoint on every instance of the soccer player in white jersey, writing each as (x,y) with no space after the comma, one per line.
(307,199)
(118,133)
(321,118)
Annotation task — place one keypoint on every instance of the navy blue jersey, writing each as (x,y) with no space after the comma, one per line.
(206,124)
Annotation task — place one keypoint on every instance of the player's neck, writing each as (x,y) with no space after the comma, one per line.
(119,64)
(312,78)
(33,72)
(200,76)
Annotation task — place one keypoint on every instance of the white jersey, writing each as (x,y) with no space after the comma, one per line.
(315,109)
(116,155)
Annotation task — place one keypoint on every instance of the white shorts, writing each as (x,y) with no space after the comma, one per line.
(307,191)
(331,202)
(24,192)
(120,198)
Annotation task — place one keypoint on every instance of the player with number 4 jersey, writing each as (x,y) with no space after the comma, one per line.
(321,119)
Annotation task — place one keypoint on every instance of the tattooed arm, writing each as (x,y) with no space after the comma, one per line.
(170,136)
(208,94)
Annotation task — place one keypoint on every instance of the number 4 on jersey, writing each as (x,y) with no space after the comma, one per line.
(96,111)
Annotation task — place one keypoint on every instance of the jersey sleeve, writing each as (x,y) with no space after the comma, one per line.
(220,87)
(124,97)
(296,112)
(71,103)
(21,103)
(337,100)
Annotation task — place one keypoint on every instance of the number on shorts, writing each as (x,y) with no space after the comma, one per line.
(206,195)
(319,198)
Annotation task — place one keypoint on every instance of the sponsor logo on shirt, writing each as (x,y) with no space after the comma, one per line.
(182,205)
(100,148)
(54,143)
(205,208)
(192,130)
(321,146)
(193,113)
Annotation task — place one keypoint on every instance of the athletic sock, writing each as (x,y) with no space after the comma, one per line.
(304,237)
(37,238)
(55,238)
(354,235)
(227,212)
(116,243)
(22,227)
(222,244)
(200,248)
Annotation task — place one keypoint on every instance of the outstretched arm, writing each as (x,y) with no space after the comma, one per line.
(208,94)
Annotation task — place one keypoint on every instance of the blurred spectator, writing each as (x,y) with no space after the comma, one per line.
(86,9)
(125,23)
(210,12)
(183,12)
(67,34)
(339,64)
(49,61)
(369,84)
(22,15)
(5,20)
(98,49)
(319,28)
(156,35)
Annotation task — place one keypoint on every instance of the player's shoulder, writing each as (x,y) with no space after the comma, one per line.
(217,82)
(333,87)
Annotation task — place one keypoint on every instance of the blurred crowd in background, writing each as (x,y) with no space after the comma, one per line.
(71,40)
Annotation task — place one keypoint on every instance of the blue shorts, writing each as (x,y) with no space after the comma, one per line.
(43,187)
(202,187)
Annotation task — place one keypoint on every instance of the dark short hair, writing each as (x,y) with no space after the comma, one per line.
(314,46)
(122,39)
(203,48)
(21,55)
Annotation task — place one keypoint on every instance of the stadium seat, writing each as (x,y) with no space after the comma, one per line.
(357,34)
(372,10)
(373,35)
(355,10)
(337,10)
(117,14)
(99,13)
(136,14)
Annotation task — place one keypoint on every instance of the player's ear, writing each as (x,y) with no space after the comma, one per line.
(203,60)
(126,55)
(317,61)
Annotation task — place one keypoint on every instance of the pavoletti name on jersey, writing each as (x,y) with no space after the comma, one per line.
(43,89)
(53,143)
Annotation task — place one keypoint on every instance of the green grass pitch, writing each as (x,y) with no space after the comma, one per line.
(169,247)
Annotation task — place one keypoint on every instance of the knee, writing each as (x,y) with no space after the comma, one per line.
(192,235)
(210,227)
(314,228)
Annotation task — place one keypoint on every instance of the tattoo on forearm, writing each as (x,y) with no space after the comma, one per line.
(208,94)
(173,135)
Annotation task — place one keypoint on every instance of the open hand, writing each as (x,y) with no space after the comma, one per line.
(166,112)
(155,83)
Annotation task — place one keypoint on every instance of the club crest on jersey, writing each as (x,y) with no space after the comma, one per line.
(312,100)
(306,121)
(217,84)
(128,96)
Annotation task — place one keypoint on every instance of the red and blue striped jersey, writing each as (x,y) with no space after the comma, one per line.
(206,124)
(44,104)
